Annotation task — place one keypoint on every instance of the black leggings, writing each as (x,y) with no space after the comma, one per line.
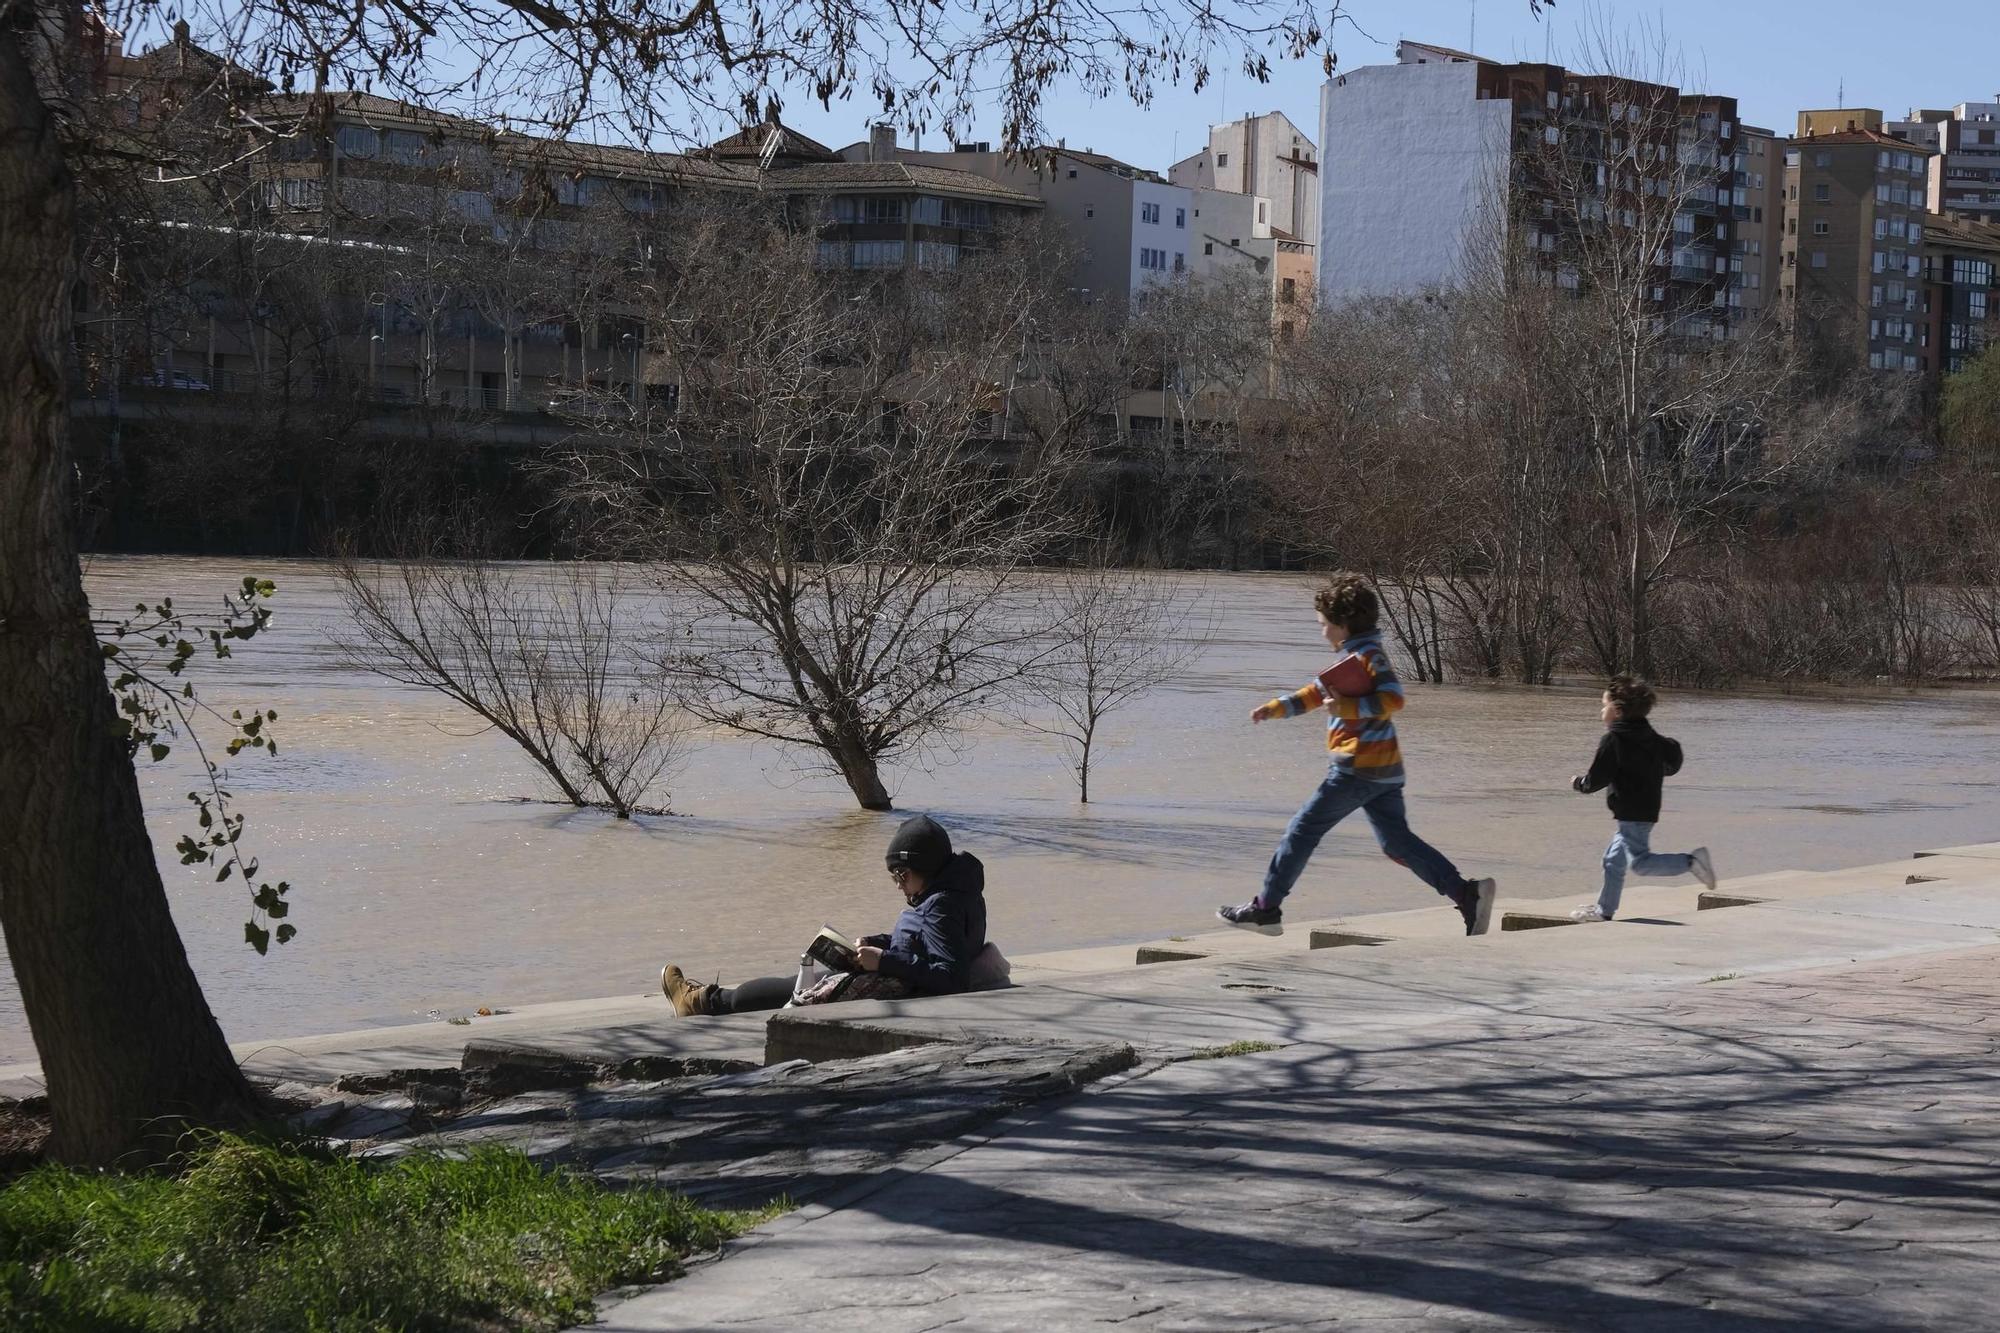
(762,993)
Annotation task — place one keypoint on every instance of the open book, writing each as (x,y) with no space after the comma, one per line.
(833,950)
(1349,677)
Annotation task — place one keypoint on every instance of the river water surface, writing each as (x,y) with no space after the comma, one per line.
(422,887)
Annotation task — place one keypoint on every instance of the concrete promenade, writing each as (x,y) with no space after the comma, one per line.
(1779,1116)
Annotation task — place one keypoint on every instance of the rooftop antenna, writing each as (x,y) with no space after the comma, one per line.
(1472,28)
(1842,94)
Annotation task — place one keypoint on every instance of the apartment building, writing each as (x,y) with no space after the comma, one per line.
(1758,186)
(1964,177)
(1852,252)
(466,254)
(1961,302)
(1132,228)
(1267,157)
(1433,161)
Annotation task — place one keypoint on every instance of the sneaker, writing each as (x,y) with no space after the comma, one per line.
(1589,912)
(1475,904)
(1703,866)
(1251,916)
(688,998)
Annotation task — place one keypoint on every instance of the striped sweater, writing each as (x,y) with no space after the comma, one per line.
(1360,730)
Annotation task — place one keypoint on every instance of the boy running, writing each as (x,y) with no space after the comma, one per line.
(1361,695)
(1634,761)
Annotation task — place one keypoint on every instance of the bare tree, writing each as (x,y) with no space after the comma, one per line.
(547,656)
(1120,634)
(829,496)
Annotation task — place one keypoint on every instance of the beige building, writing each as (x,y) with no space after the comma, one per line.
(1265,156)
(1853,240)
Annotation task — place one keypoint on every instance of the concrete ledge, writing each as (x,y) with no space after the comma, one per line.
(1532,921)
(1711,899)
(1337,939)
(791,1035)
(1162,953)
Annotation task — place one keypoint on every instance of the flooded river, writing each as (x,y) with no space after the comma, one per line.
(421,886)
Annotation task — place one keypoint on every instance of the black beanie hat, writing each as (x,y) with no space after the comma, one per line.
(921,844)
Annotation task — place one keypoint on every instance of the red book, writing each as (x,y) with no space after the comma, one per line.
(1349,677)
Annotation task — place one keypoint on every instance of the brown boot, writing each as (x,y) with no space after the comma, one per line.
(689,999)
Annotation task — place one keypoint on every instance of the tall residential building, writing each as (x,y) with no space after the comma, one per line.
(1133,227)
(1428,161)
(1266,156)
(1965,173)
(1854,229)
(1961,291)
(1759,187)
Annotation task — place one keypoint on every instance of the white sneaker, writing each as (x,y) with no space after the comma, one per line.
(1703,867)
(1589,912)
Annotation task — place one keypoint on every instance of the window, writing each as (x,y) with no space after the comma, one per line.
(1881,261)
(1881,228)
(1180,217)
(1820,229)
(301,192)
(1791,226)
(1822,159)
(937,255)
(405,146)
(1882,160)
(1822,192)
(1875,295)
(1090,212)
(1149,212)
(1262,209)
(927,209)
(1072,173)
(356,141)
(1208,247)
(1975,305)
(1882,194)
(879,254)
(1290,292)
(1916,232)
(1180,261)
(1222,159)
(1819,259)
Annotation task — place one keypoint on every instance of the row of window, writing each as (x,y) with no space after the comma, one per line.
(1156,260)
(1149,212)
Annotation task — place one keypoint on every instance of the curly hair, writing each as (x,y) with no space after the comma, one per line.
(1632,696)
(1348,600)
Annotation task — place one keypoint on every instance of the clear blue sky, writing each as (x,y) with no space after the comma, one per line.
(1773,56)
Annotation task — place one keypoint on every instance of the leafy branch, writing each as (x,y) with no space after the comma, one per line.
(157,705)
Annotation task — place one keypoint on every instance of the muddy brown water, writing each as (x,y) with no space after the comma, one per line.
(421,886)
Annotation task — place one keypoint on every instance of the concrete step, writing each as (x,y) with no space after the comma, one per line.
(1985,851)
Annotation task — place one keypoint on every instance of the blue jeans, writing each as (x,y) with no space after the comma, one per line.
(1631,846)
(1338,797)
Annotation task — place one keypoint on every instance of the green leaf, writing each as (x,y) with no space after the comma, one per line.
(256,936)
(285,934)
(222,874)
(160,751)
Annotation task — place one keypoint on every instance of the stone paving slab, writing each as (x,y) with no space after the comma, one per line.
(1798,1151)
(742,1138)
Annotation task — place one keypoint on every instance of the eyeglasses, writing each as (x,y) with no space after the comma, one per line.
(899,873)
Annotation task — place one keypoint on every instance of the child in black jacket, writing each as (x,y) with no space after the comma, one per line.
(1634,761)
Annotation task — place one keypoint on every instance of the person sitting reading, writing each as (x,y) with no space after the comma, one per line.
(932,950)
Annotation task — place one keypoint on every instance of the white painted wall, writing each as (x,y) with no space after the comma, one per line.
(1173,233)
(1409,161)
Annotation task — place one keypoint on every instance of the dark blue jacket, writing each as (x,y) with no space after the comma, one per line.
(937,937)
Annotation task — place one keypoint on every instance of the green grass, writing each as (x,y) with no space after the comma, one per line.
(253,1237)
(1234,1048)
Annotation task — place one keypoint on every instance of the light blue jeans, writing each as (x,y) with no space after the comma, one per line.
(1631,846)
(1338,797)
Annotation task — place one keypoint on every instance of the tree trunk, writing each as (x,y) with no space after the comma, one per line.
(130,1052)
(863,777)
